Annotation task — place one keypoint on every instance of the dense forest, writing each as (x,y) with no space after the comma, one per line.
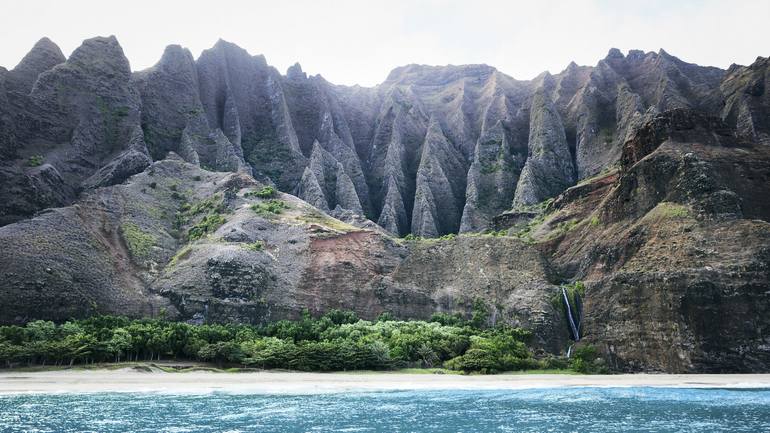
(336,341)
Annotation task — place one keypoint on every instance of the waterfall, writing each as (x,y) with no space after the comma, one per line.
(573,327)
(579,311)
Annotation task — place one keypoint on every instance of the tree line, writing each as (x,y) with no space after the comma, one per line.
(336,341)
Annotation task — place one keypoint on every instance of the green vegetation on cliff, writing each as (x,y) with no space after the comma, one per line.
(209,224)
(270,207)
(264,192)
(336,341)
(35,161)
(138,242)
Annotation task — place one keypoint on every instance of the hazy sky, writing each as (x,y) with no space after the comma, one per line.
(359,42)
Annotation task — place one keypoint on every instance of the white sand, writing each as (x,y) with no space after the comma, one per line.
(79,381)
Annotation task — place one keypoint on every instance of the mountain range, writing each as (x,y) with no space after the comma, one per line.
(150,192)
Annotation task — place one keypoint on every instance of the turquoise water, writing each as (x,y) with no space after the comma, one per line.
(536,410)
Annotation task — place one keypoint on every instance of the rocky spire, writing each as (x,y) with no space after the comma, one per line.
(439,182)
(172,114)
(44,55)
(295,72)
(549,169)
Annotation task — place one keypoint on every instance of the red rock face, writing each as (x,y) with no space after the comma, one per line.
(344,272)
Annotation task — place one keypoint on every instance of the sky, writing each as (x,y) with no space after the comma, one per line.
(359,42)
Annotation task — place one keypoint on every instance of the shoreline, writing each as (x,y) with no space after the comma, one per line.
(203,382)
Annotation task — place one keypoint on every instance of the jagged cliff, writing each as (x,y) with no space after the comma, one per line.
(430,151)
(139,193)
(674,248)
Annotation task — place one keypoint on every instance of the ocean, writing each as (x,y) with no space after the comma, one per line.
(637,409)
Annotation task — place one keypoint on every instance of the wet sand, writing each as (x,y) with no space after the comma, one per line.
(130,380)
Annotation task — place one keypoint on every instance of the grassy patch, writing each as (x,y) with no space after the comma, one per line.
(265,192)
(565,226)
(138,242)
(495,233)
(672,210)
(604,173)
(180,255)
(209,224)
(269,207)
(668,210)
(525,234)
(254,246)
(315,217)
(213,204)
(541,207)
(211,208)
(447,237)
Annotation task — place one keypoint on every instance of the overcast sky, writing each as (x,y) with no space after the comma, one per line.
(359,42)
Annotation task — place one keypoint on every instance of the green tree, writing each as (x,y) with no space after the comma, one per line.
(120,343)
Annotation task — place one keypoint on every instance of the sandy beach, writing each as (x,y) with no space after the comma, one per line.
(129,380)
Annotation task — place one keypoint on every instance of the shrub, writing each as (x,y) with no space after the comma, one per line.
(222,351)
(340,317)
(386,316)
(35,161)
(447,319)
(213,204)
(265,192)
(180,255)
(585,359)
(492,354)
(480,314)
(555,363)
(209,224)
(269,207)
(489,232)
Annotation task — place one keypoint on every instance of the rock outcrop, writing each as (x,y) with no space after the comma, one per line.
(549,168)
(78,117)
(747,100)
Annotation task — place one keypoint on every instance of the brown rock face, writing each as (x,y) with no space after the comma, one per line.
(675,254)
